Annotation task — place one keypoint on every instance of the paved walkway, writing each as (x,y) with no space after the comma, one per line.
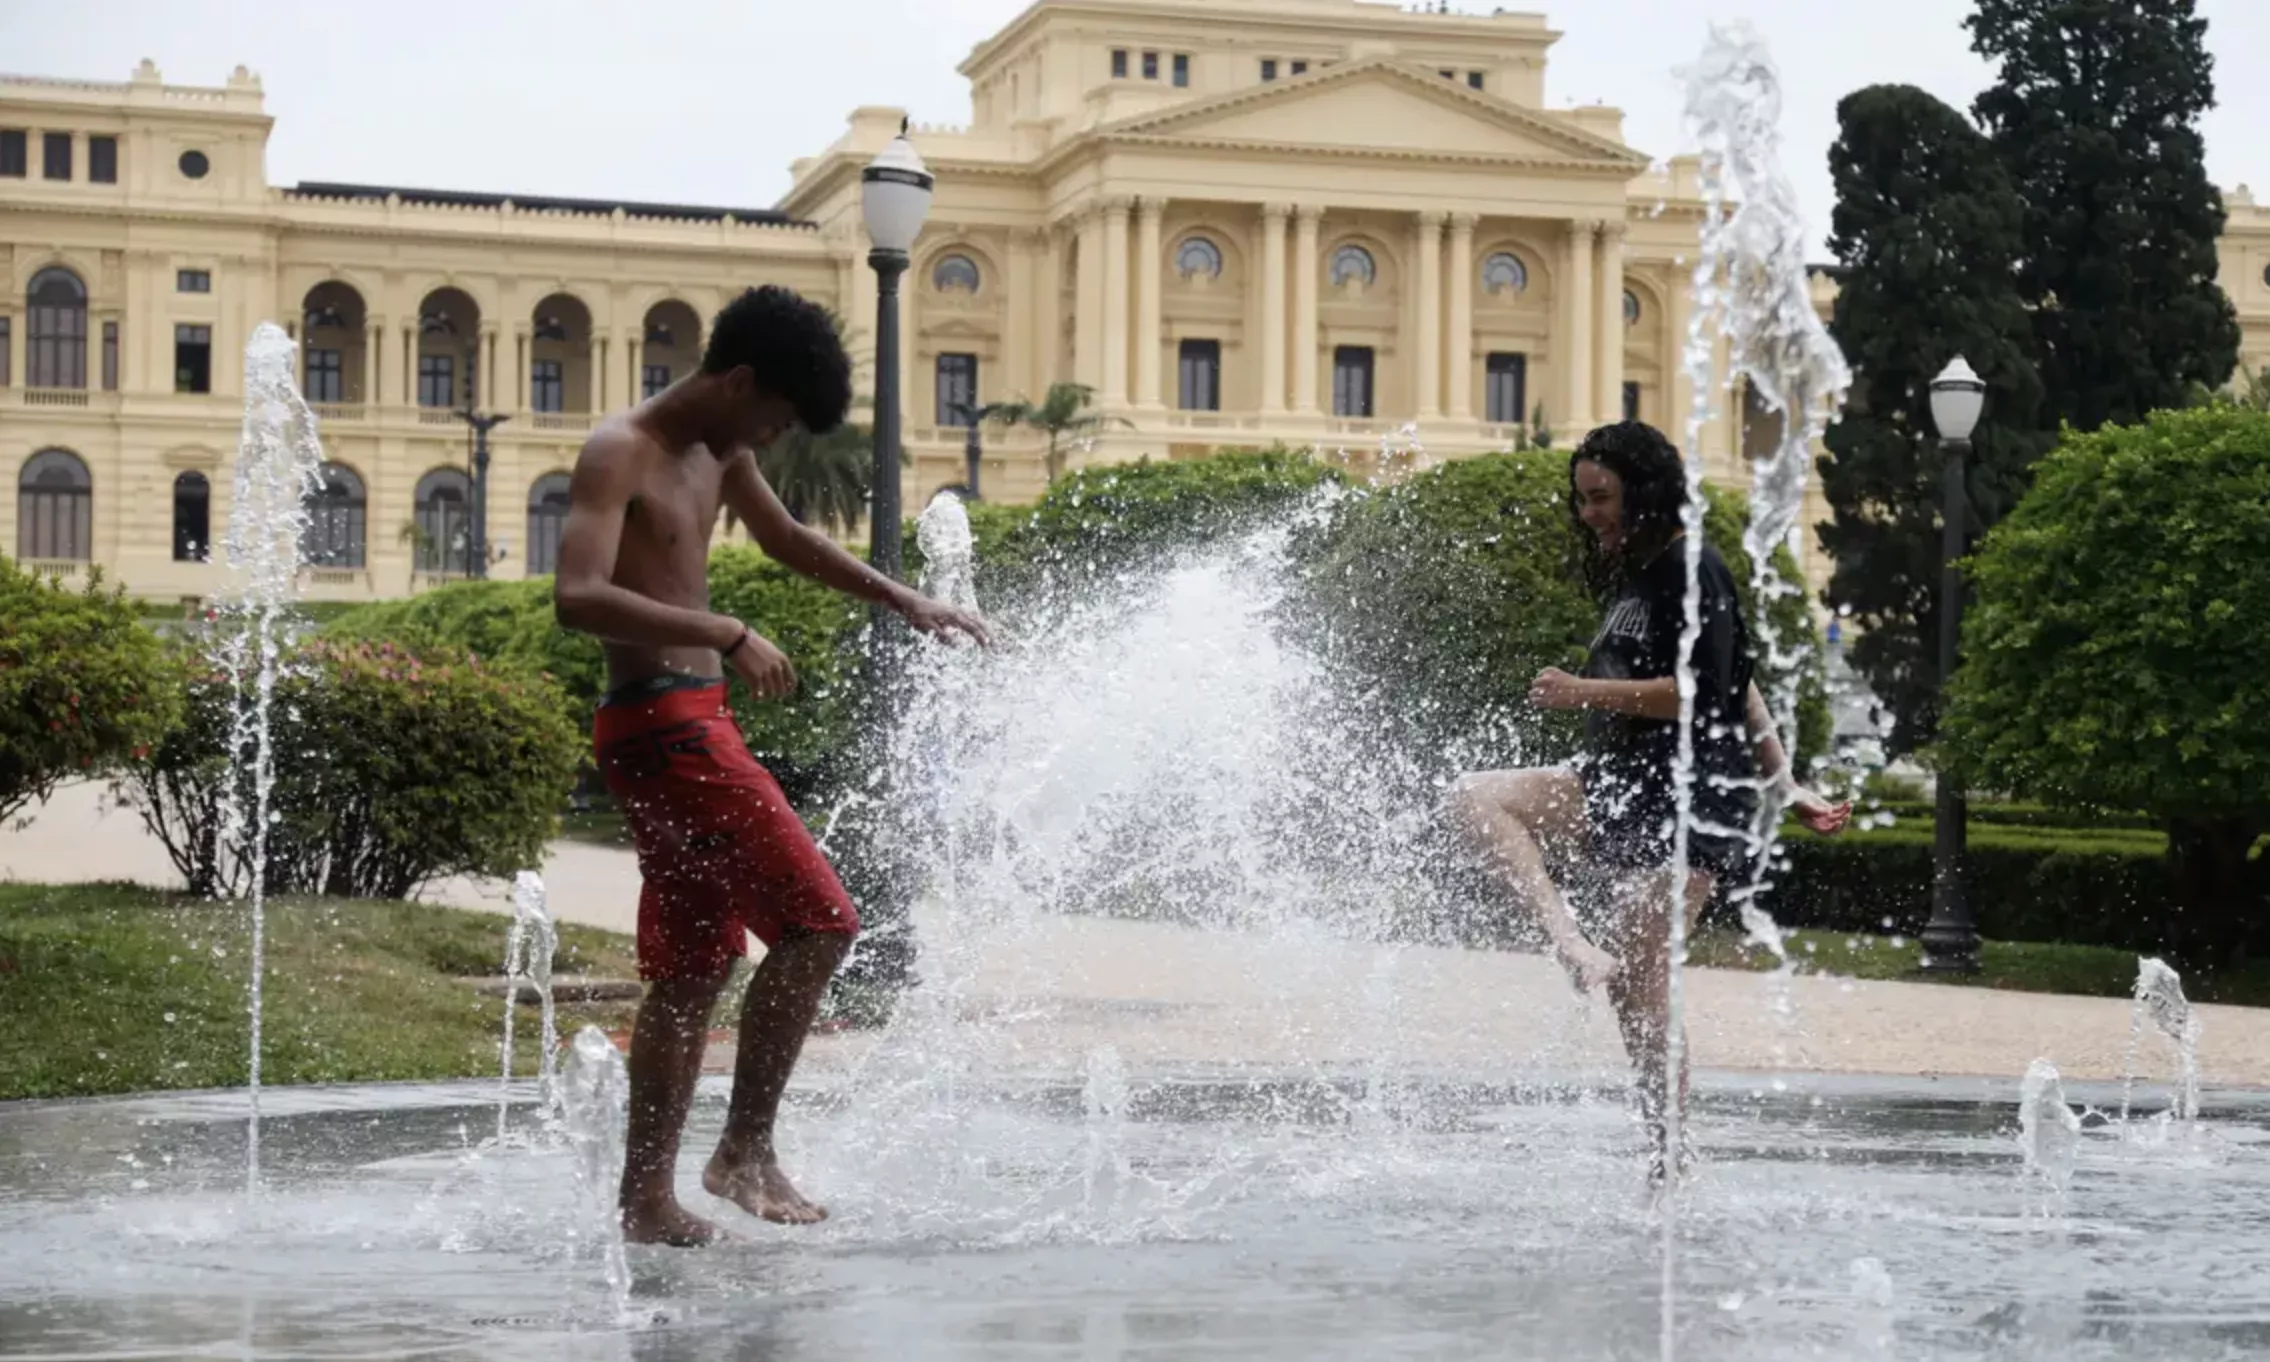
(1180,996)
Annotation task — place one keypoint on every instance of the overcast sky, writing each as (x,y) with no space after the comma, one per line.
(707,101)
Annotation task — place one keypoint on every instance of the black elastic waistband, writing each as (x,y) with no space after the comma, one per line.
(654,687)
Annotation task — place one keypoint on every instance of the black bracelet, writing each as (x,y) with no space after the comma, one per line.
(736,644)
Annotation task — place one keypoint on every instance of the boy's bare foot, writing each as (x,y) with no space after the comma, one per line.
(666,1222)
(761,1189)
(1588,966)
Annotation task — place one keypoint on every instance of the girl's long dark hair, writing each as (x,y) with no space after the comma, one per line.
(1655,490)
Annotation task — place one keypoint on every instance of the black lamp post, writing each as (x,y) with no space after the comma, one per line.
(477,547)
(894,198)
(1950,940)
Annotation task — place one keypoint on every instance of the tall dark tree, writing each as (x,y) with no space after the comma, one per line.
(2095,114)
(1927,228)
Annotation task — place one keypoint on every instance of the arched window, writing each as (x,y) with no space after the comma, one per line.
(336,517)
(547,519)
(55,507)
(56,337)
(1504,273)
(954,272)
(1353,263)
(192,518)
(445,522)
(1198,258)
(1631,308)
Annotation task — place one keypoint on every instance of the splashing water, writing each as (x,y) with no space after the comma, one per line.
(2049,1134)
(594,1098)
(277,463)
(529,945)
(1750,292)
(2159,999)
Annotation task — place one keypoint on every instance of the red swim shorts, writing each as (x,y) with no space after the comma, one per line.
(720,851)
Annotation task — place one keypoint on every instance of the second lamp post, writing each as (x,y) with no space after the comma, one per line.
(1950,940)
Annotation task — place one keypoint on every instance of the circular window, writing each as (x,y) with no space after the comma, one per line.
(955,272)
(1353,263)
(194,164)
(1197,258)
(1631,308)
(2266,276)
(1504,273)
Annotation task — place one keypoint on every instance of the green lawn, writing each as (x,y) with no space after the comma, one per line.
(2028,967)
(109,988)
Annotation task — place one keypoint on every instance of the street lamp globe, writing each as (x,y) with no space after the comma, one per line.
(894,195)
(1958,394)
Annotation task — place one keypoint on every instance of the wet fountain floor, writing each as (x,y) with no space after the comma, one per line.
(1226,1216)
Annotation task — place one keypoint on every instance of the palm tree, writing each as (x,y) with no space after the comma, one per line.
(1061,415)
(823,480)
(2253,388)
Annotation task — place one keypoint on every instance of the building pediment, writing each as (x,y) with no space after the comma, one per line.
(1380,105)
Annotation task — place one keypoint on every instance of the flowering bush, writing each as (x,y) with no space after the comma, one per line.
(82,684)
(392,768)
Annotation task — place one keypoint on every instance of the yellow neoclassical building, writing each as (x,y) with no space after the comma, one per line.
(1238,221)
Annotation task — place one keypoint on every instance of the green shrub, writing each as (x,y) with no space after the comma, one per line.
(391,769)
(1440,599)
(83,684)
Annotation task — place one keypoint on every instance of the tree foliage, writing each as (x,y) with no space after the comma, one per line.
(1927,228)
(2095,114)
(83,685)
(2118,657)
(1063,414)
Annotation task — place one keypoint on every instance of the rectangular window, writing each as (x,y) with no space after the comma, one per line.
(1473,80)
(1447,74)
(1268,68)
(1181,70)
(15,153)
(1351,380)
(1150,66)
(1300,68)
(56,155)
(102,160)
(437,380)
(326,381)
(1119,63)
(957,389)
(110,357)
(192,359)
(547,386)
(1631,401)
(6,350)
(1201,375)
(1505,389)
(193,281)
(654,378)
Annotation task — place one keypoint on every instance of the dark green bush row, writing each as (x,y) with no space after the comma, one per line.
(2023,815)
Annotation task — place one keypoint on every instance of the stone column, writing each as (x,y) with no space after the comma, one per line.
(1575,416)
(1306,269)
(1610,404)
(1678,393)
(1046,312)
(1147,309)
(488,393)
(595,375)
(634,386)
(1426,358)
(1087,304)
(409,364)
(1114,393)
(521,371)
(1458,351)
(373,371)
(1273,307)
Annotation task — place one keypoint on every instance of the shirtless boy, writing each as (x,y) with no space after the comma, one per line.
(720,851)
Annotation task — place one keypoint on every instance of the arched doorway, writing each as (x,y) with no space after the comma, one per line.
(670,347)
(547,520)
(55,332)
(334,344)
(337,519)
(449,347)
(55,508)
(192,518)
(444,522)
(559,357)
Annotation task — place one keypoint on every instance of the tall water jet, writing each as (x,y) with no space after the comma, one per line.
(1751,294)
(529,945)
(277,464)
(2160,1000)
(595,1095)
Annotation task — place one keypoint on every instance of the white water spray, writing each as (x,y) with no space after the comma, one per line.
(2160,1000)
(529,945)
(595,1096)
(277,463)
(1750,292)
(2049,1134)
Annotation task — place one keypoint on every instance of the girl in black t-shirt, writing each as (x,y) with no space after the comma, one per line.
(1611,811)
